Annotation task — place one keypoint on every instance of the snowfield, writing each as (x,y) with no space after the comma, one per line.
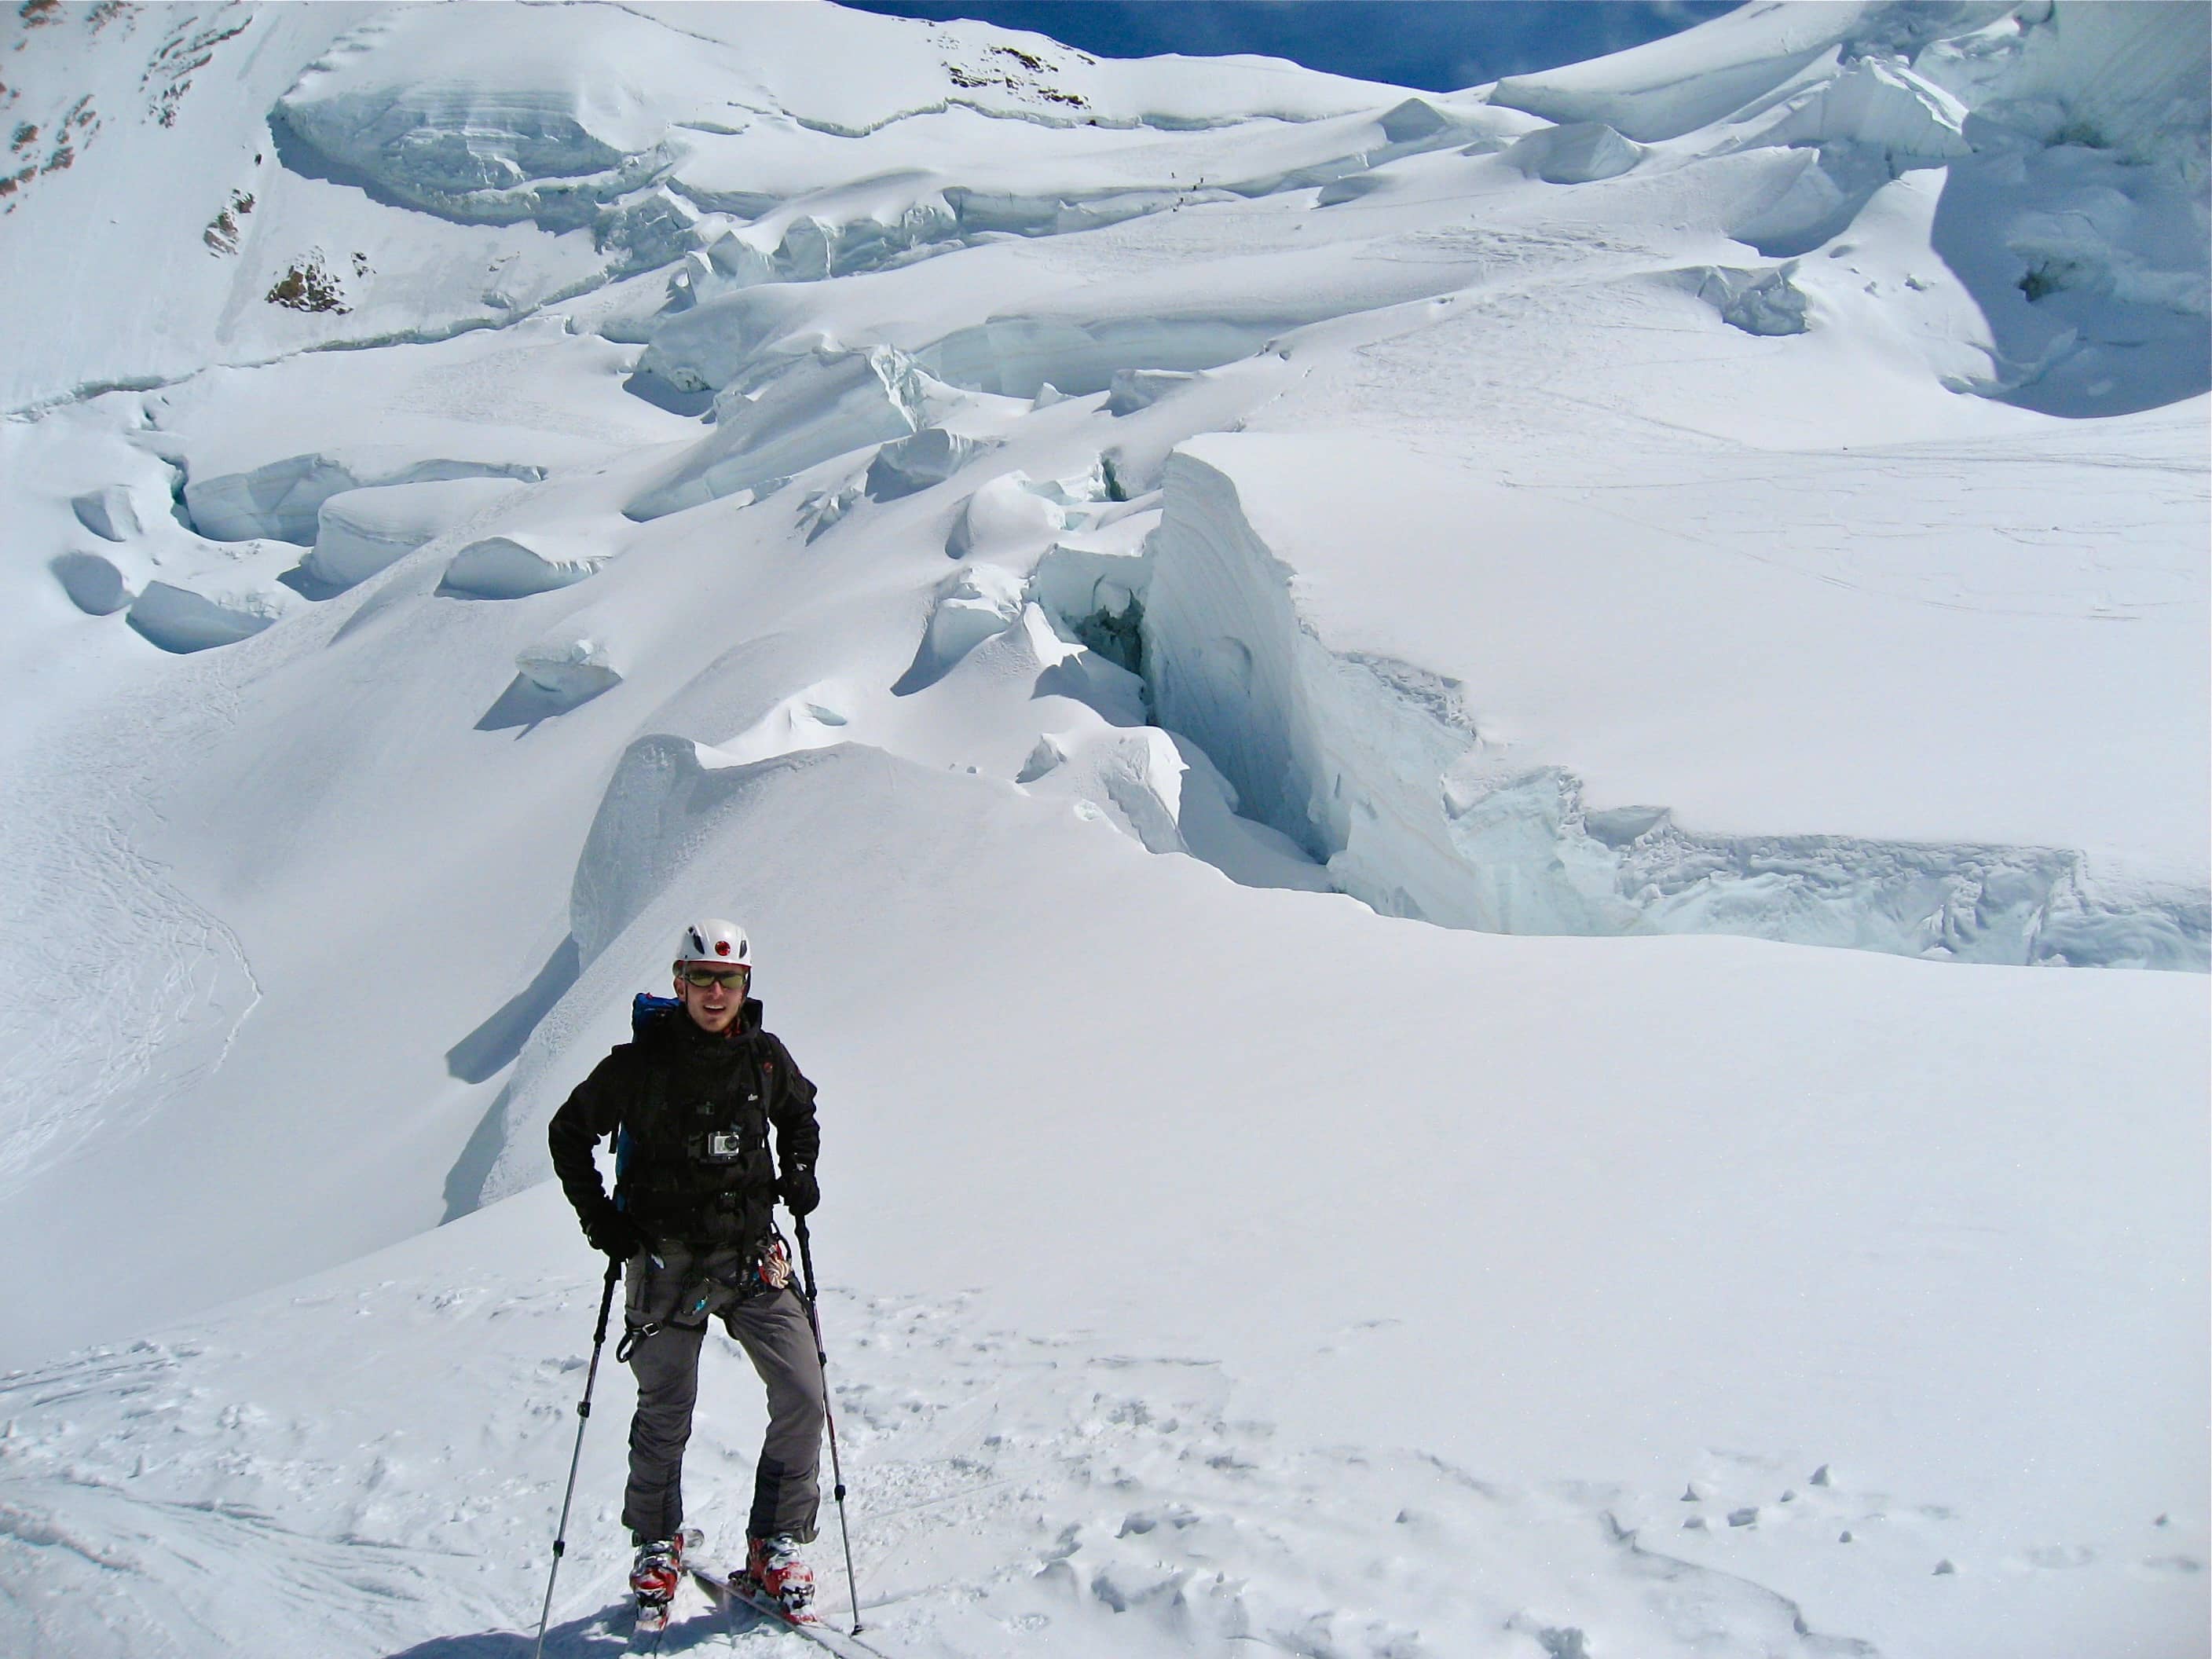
(1486,814)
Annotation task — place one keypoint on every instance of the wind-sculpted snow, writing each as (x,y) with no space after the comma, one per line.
(2075,138)
(1016,356)
(973,604)
(359,532)
(876,224)
(1376,768)
(921,461)
(665,793)
(854,220)
(1671,87)
(183,619)
(821,407)
(93,581)
(283,501)
(1826,189)
(505,135)
(1577,153)
(108,512)
(515,566)
(1008,513)
(569,666)
(1875,103)
(510,134)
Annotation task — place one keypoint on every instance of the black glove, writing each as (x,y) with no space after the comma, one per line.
(801,1194)
(611,1231)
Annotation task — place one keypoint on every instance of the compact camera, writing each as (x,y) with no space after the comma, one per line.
(725,1145)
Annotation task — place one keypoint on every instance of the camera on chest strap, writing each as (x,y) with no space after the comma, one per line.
(718,1129)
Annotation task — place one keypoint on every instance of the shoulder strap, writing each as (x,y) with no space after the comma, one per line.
(644,1009)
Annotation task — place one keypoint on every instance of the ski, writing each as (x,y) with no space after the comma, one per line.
(645,1636)
(735,1590)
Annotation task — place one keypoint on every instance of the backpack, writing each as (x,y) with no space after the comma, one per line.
(644,1007)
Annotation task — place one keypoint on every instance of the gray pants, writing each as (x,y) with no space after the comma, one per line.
(776,1336)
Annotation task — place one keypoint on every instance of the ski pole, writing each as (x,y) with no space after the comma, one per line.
(829,1417)
(583,1419)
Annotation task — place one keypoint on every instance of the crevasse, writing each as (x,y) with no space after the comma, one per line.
(1374,767)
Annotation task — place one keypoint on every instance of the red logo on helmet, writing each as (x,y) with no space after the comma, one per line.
(721,947)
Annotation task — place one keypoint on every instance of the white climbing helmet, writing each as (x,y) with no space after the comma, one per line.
(714,941)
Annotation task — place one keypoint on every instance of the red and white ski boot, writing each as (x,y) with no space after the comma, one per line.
(653,1577)
(775,1564)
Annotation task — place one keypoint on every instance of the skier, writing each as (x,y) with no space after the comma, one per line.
(692,1097)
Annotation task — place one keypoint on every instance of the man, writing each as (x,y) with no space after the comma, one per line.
(691,1100)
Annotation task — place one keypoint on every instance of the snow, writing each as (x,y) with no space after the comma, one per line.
(920,461)
(1282,636)
(509,567)
(107,512)
(1462,800)
(1669,87)
(829,406)
(1877,104)
(1575,153)
(183,619)
(94,584)
(1151,1403)
(359,532)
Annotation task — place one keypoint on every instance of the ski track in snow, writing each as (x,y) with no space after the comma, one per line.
(140,989)
(1008,1489)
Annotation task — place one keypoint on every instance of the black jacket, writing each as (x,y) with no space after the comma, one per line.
(691,1112)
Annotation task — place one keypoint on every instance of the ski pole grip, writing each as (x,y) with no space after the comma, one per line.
(606,1301)
(805,1253)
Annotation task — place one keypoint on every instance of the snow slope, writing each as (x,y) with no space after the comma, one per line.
(1137,580)
(1416,1311)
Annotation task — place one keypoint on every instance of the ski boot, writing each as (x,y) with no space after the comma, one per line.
(653,1578)
(774,1564)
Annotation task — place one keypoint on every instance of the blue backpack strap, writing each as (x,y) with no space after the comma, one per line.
(644,1008)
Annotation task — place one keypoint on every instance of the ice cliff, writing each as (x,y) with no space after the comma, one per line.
(1381,769)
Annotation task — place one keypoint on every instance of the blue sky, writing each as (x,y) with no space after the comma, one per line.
(1439,44)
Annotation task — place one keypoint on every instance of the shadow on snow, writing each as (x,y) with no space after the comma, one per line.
(595,1636)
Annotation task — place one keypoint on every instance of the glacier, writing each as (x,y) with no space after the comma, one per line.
(1486,812)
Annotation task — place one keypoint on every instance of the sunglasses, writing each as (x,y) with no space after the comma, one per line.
(729,978)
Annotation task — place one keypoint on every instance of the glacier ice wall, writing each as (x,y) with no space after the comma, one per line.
(1374,767)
